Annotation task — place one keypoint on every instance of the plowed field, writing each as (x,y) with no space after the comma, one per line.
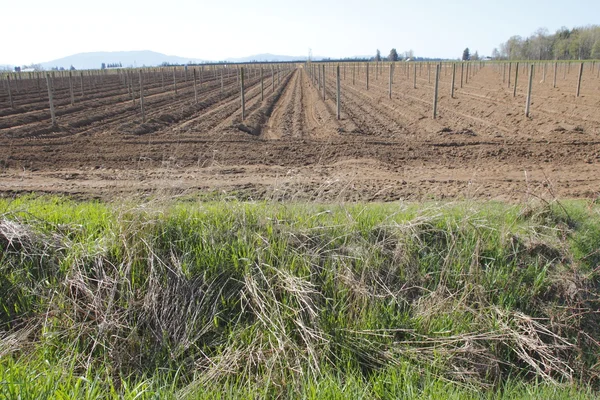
(292,146)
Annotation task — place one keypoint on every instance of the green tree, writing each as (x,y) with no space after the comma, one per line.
(466,55)
(378,55)
(575,47)
(596,50)
(393,55)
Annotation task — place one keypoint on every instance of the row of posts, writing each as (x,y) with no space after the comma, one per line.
(128,81)
(317,72)
(320,80)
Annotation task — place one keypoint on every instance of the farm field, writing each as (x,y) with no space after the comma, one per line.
(291,146)
(330,288)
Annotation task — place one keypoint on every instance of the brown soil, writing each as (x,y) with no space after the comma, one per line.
(291,145)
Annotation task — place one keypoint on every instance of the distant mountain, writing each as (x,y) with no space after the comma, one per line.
(265,58)
(126,58)
(151,58)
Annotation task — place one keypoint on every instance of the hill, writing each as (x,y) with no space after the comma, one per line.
(126,58)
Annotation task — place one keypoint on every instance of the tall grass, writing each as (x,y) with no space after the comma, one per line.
(231,299)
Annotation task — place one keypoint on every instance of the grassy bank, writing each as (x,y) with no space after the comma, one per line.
(227,299)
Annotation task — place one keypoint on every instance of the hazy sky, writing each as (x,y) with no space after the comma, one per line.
(42,30)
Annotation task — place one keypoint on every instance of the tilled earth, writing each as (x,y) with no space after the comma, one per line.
(291,146)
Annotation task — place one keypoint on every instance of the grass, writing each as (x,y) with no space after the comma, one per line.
(226,299)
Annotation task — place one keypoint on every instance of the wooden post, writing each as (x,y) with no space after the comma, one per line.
(142,98)
(318,77)
(323,82)
(367,76)
(544,75)
(51,100)
(262,89)
(71,87)
(435,92)
(354,74)
(81,82)
(453,79)
(174,80)
(12,104)
(462,73)
(221,82)
(555,70)
(414,75)
(467,74)
(509,73)
(272,79)
(37,78)
(503,73)
(195,86)
(131,88)
(242,93)
(429,72)
(528,103)
(338,93)
(390,95)
(579,79)
(516,80)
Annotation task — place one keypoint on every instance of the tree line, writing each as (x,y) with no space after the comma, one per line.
(113,65)
(581,43)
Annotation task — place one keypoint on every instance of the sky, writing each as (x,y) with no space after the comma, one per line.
(40,30)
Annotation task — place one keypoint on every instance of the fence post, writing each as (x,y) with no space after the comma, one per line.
(453,79)
(195,86)
(37,78)
(462,73)
(142,98)
(528,103)
(544,76)
(338,92)
(367,76)
(516,80)
(71,88)
(429,72)
(435,92)
(390,81)
(51,100)
(414,75)
(242,93)
(262,89)
(579,79)
(323,82)
(174,80)
(555,70)
(12,105)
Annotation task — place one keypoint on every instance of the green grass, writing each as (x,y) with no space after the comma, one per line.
(227,299)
